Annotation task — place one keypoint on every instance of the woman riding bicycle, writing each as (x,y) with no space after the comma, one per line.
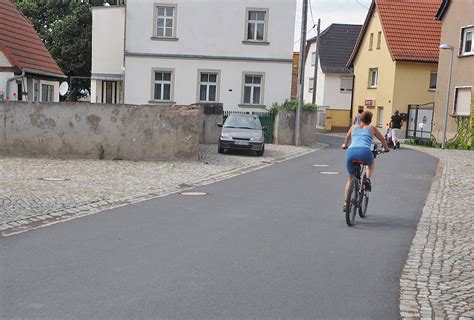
(360,137)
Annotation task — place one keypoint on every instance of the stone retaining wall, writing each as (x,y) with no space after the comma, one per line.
(284,130)
(83,130)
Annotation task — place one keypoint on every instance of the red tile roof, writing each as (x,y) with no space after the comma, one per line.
(21,44)
(410,28)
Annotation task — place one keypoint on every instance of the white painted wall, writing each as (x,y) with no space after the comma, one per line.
(309,73)
(108,25)
(4,76)
(138,80)
(333,97)
(212,27)
(96,87)
(328,92)
(4,61)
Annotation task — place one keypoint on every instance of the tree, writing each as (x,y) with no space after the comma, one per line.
(65,27)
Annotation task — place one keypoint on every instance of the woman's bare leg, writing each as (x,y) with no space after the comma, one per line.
(346,188)
(370,170)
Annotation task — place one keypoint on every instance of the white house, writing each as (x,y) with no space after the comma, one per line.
(238,52)
(334,79)
(27,70)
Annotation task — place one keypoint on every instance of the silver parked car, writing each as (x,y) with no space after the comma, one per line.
(242,132)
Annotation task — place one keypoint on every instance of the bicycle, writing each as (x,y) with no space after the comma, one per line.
(358,196)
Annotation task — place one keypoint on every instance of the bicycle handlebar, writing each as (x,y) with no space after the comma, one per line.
(376,152)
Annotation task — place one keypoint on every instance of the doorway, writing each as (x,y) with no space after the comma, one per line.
(420,121)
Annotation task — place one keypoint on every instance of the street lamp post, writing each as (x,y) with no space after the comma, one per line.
(445,46)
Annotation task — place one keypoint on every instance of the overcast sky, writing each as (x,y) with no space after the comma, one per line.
(331,11)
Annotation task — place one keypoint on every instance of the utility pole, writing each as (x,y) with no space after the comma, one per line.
(304,19)
(316,64)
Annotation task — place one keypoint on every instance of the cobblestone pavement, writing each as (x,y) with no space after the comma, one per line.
(437,281)
(33,192)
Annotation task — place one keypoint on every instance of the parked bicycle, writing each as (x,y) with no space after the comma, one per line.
(358,196)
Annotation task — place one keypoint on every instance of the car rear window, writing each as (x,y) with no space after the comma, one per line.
(243,123)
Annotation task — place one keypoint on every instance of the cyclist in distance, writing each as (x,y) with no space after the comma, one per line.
(357,118)
(358,141)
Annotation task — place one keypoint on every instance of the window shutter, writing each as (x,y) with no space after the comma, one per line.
(346,84)
(462,102)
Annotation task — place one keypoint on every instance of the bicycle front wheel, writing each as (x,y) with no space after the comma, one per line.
(352,202)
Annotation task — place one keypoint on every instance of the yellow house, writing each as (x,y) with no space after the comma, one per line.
(395,62)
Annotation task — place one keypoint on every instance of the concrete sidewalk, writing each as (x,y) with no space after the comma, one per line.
(438,278)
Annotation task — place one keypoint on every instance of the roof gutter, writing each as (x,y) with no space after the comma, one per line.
(10,80)
(43,73)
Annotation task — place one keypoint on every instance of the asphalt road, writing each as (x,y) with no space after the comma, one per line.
(271,244)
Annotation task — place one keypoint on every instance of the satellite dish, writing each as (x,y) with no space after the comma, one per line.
(63,89)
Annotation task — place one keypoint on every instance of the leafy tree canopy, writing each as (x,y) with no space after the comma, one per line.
(65,27)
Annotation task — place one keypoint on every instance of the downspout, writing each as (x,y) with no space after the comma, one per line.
(13,79)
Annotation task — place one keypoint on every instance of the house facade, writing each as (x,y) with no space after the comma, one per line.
(108,46)
(27,70)
(393,69)
(334,79)
(238,53)
(457,19)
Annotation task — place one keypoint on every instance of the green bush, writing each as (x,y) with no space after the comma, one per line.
(291,105)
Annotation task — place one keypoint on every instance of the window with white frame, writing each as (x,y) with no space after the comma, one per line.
(208,86)
(313,58)
(311,85)
(346,84)
(253,87)
(162,85)
(433,79)
(462,101)
(47,93)
(165,21)
(467,47)
(379,116)
(257,20)
(373,77)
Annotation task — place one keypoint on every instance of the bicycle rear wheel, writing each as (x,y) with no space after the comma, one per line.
(351,202)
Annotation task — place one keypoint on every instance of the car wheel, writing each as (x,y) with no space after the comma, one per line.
(261,152)
(220,150)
